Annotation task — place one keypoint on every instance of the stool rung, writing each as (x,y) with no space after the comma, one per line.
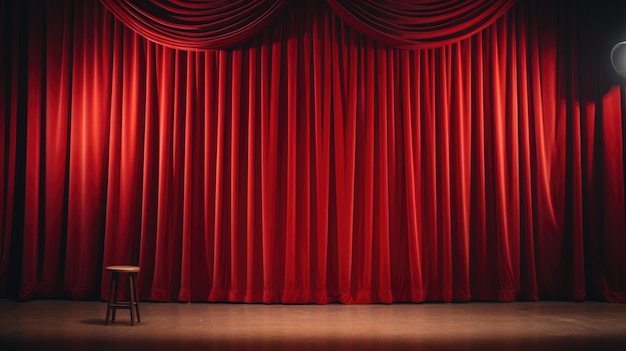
(122,305)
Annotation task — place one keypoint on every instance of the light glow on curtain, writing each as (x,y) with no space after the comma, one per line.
(311,163)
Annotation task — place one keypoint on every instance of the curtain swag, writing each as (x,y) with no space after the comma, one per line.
(196,25)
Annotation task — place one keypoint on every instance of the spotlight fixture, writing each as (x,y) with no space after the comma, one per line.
(618,58)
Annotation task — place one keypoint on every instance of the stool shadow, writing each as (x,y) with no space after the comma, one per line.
(98,321)
(94,321)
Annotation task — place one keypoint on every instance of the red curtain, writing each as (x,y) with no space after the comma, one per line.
(312,163)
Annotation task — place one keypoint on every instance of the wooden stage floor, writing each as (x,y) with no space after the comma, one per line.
(73,325)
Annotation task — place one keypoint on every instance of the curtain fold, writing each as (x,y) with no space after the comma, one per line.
(312,163)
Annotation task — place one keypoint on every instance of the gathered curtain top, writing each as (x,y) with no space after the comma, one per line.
(218,24)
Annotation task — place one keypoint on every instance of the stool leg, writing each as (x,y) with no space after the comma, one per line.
(136,296)
(131,283)
(111,292)
(116,283)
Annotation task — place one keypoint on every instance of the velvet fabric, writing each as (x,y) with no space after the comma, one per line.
(310,162)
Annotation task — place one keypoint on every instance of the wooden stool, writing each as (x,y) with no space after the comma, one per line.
(133,304)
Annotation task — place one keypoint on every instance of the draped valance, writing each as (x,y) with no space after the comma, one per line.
(215,24)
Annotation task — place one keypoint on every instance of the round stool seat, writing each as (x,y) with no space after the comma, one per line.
(123,269)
